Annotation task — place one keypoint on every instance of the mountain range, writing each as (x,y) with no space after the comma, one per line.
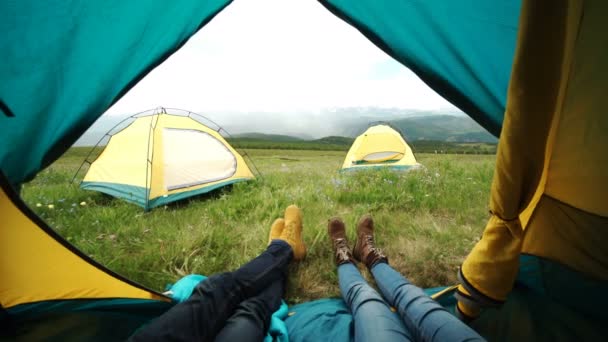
(338,122)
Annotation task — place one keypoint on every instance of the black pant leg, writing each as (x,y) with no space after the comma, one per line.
(251,320)
(215,299)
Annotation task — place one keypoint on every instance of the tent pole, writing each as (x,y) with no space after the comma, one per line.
(110,134)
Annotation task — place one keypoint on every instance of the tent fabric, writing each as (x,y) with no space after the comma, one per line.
(379,146)
(183,170)
(81,320)
(38,265)
(550,185)
(550,302)
(461,49)
(161,158)
(65,63)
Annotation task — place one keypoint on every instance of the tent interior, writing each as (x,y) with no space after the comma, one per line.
(532,72)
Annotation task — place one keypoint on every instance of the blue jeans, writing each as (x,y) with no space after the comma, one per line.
(232,306)
(422,319)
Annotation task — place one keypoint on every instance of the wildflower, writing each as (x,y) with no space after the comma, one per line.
(39,205)
(51,206)
(83,203)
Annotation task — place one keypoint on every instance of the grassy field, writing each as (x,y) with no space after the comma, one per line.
(427,220)
(343,144)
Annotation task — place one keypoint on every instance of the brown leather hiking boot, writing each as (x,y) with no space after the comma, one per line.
(337,234)
(365,250)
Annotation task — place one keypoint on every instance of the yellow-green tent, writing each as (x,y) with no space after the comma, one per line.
(160,158)
(379,146)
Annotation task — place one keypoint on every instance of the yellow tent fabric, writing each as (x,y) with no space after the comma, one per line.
(379,145)
(38,265)
(549,193)
(164,157)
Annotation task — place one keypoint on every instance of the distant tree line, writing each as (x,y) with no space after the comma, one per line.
(343,144)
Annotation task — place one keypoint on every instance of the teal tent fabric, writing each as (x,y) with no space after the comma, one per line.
(462,49)
(64,63)
(550,302)
(137,195)
(130,193)
(320,320)
(79,320)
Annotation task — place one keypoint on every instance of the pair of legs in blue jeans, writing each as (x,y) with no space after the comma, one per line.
(420,317)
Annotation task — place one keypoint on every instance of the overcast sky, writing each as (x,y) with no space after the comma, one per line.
(279,55)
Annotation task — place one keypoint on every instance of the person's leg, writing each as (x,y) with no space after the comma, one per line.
(425,318)
(251,320)
(372,315)
(215,299)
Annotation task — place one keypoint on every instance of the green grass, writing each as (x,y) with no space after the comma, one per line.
(427,220)
(344,143)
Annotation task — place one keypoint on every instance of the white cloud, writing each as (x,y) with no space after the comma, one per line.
(278,55)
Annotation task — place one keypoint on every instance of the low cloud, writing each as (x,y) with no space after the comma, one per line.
(279,56)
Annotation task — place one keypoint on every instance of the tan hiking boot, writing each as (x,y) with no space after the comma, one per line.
(292,233)
(365,250)
(337,234)
(276,230)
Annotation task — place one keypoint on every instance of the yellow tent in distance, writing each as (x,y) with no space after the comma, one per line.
(380,146)
(161,158)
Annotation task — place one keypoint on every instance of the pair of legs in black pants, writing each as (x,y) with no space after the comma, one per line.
(233,306)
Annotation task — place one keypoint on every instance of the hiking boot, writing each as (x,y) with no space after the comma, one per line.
(365,250)
(292,233)
(276,229)
(337,234)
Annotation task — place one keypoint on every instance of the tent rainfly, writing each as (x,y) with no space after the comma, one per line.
(161,158)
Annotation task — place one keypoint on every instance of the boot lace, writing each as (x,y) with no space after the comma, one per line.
(373,250)
(341,247)
(289,234)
